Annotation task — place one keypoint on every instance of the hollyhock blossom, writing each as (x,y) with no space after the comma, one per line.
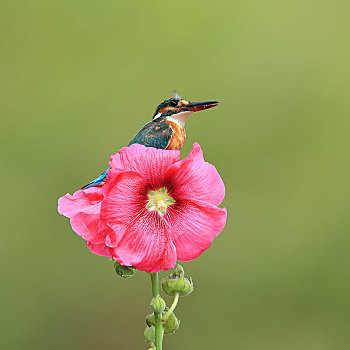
(153,210)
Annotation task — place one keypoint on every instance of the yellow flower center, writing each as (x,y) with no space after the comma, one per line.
(159,201)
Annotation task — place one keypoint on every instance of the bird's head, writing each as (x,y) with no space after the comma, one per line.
(179,110)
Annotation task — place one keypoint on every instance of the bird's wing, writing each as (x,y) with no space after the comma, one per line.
(154,134)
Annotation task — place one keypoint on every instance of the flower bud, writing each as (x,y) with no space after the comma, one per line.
(171,324)
(149,334)
(124,271)
(150,320)
(158,304)
(177,283)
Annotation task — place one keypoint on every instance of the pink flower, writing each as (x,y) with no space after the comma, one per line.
(153,209)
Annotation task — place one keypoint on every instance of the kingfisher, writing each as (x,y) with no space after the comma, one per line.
(166,130)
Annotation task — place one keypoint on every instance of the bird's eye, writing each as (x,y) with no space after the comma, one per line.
(173,103)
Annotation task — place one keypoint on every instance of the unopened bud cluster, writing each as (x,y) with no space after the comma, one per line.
(174,285)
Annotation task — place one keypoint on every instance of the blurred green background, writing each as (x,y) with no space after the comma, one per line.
(79,78)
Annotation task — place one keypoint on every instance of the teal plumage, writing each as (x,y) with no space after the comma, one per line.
(157,133)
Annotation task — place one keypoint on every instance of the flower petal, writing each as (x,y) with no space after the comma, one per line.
(194,224)
(87,226)
(125,197)
(194,178)
(151,163)
(100,249)
(86,201)
(83,208)
(147,245)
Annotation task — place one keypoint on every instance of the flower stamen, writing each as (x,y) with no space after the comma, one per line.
(159,200)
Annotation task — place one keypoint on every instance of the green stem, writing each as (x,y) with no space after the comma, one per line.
(157,315)
(172,307)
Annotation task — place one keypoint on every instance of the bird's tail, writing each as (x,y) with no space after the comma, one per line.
(97,182)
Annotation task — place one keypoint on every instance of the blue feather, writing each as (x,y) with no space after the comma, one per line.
(98,181)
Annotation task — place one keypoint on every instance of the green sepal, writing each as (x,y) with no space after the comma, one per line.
(171,324)
(177,283)
(124,271)
(149,334)
(150,320)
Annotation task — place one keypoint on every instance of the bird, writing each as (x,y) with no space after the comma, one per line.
(166,130)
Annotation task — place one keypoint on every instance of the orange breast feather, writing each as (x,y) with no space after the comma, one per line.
(178,138)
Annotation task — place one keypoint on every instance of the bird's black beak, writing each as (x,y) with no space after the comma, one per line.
(199,106)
